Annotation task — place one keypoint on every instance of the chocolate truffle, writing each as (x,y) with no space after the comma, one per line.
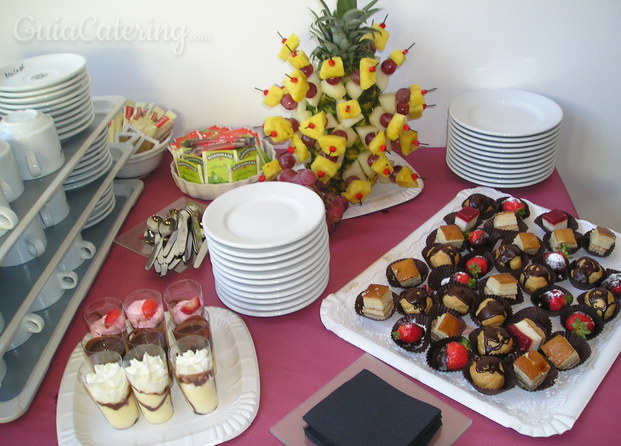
(494,341)
(458,298)
(415,301)
(585,272)
(508,256)
(439,254)
(490,312)
(601,300)
(535,277)
(487,372)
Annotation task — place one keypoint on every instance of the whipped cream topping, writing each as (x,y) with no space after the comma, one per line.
(107,384)
(149,375)
(98,327)
(190,362)
(137,318)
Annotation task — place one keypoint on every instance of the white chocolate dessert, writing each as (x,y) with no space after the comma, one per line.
(111,391)
(151,383)
(195,376)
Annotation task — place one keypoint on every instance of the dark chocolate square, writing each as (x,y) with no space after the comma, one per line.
(366,410)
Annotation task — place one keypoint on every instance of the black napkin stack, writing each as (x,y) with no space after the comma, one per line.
(366,410)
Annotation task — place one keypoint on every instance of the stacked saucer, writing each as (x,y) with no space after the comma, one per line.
(103,207)
(503,138)
(55,84)
(95,162)
(269,248)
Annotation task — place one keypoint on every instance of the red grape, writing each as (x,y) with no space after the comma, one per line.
(287,175)
(403,95)
(288,103)
(369,137)
(295,124)
(385,119)
(371,159)
(307,70)
(312,90)
(307,177)
(286,160)
(333,80)
(403,108)
(340,132)
(389,66)
(308,141)
(334,214)
(355,77)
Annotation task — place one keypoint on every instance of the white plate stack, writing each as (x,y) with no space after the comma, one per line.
(55,84)
(95,162)
(503,138)
(269,248)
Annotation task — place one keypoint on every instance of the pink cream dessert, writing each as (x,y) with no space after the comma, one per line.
(183,309)
(145,313)
(111,323)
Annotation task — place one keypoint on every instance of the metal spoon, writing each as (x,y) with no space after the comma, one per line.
(153,225)
(162,229)
(197,233)
(167,228)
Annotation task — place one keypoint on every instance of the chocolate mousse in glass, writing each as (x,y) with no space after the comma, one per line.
(193,369)
(144,310)
(106,324)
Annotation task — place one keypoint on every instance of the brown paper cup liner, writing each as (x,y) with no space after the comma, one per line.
(585,244)
(617,305)
(438,275)
(422,267)
(359,307)
(438,310)
(473,337)
(422,319)
(535,299)
(486,255)
(490,205)
(579,240)
(526,211)
(583,285)
(519,297)
(580,345)
(510,379)
(506,234)
(571,221)
(597,320)
(435,362)
(549,380)
(505,304)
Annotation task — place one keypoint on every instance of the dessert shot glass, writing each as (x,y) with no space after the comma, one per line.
(144,310)
(183,298)
(147,371)
(104,319)
(193,369)
(103,378)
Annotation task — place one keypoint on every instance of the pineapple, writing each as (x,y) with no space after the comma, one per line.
(343,134)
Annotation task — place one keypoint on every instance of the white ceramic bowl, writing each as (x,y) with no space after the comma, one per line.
(142,164)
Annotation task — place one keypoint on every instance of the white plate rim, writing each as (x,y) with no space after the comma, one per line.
(500,184)
(500,169)
(509,162)
(67,64)
(230,420)
(515,141)
(461,108)
(503,148)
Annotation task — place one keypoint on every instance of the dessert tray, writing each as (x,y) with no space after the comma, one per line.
(79,422)
(537,414)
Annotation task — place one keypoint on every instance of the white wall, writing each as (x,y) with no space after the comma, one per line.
(567,50)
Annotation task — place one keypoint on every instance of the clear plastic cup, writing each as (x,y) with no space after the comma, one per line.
(144,310)
(193,369)
(146,368)
(105,317)
(183,298)
(103,378)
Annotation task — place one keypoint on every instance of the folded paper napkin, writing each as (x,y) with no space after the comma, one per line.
(366,410)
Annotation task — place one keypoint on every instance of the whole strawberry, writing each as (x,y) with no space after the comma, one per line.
(409,333)
(555,300)
(457,356)
(580,323)
(111,317)
(514,205)
(477,265)
(478,238)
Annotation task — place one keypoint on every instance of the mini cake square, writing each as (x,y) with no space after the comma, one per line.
(447,325)
(527,242)
(563,237)
(601,240)
(560,352)
(528,334)
(554,219)
(466,218)
(531,369)
(377,302)
(506,221)
(450,235)
(503,284)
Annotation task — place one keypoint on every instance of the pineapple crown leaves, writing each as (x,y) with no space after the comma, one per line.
(340,33)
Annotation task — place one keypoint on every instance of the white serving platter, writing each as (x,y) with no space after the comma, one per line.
(79,422)
(536,414)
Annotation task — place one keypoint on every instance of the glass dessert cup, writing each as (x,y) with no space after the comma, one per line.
(183,298)
(93,344)
(144,310)
(195,325)
(105,317)
(146,369)
(193,369)
(104,380)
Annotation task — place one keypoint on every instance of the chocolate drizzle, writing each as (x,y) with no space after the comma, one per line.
(584,270)
(491,309)
(488,364)
(418,298)
(495,339)
(120,404)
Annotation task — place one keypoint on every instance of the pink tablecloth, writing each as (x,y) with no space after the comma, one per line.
(296,354)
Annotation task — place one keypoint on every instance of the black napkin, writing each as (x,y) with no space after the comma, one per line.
(366,410)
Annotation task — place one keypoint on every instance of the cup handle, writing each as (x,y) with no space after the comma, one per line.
(6,188)
(33,164)
(35,323)
(67,279)
(46,217)
(8,218)
(36,247)
(87,250)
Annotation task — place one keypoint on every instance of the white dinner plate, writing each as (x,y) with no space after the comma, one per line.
(97,217)
(502,149)
(40,72)
(529,181)
(45,90)
(263,215)
(79,422)
(283,306)
(499,172)
(503,154)
(48,99)
(493,167)
(525,161)
(73,114)
(506,112)
(276,253)
(78,124)
(53,104)
(89,177)
(502,142)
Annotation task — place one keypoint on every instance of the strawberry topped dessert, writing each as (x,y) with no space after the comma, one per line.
(515,205)
(409,334)
(183,309)
(111,323)
(145,313)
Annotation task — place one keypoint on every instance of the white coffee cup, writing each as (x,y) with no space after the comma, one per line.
(80,251)
(10,179)
(31,323)
(59,281)
(34,142)
(8,218)
(31,244)
(55,210)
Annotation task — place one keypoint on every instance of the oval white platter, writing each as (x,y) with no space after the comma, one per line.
(79,422)
(536,414)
